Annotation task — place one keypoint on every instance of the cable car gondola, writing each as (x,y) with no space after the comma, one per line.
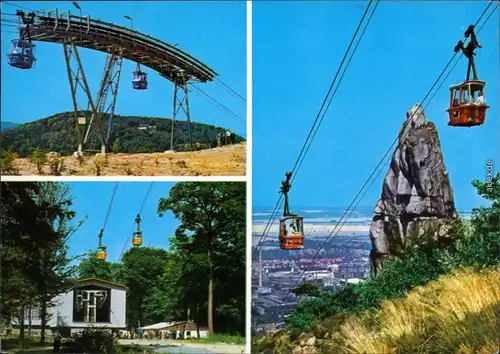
(291,232)
(101,249)
(137,238)
(102,253)
(140,80)
(22,53)
(467,104)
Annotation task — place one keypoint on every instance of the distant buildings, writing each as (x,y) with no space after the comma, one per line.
(273,301)
(149,128)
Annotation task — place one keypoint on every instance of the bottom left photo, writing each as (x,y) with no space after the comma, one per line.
(123,267)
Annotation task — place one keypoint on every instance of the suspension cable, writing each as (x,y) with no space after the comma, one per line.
(337,87)
(229,89)
(218,104)
(133,225)
(319,117)
(383,162)
(110,205)
(462,54)
(15,5)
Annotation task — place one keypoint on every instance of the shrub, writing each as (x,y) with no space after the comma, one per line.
(6,163)
(94,340)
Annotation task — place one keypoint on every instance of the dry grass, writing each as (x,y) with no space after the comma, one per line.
(459,313)
(223,161)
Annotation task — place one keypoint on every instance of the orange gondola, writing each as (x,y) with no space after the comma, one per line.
(291,231)
(467,104)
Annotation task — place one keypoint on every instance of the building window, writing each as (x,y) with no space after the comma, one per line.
(92,305)
(35,313)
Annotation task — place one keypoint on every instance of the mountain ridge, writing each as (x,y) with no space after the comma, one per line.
(4,126)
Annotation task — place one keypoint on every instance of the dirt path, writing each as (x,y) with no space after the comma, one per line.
(172,346)
(223,161)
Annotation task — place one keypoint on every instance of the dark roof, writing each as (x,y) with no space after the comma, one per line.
(107,282)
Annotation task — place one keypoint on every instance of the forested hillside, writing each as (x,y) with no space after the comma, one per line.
(58,133)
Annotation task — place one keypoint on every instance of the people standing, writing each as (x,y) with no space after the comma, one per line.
(57,341)
(219,139)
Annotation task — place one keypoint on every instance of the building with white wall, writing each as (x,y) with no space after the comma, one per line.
(90,302)
(174,330)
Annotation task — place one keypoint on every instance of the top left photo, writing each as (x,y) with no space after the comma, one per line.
(126,88)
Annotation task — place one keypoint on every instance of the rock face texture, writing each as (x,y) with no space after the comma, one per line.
(417,197)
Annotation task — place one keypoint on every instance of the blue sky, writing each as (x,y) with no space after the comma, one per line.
(92,201)
(213,32)
(297,47)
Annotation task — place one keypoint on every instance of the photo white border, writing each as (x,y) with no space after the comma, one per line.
(35,178)
(248,297)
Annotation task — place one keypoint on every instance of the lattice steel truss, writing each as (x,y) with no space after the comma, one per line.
(181,108)
(100,107)
(105,106)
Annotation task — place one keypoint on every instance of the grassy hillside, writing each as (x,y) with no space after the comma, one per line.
(458,313)
(58,133)
(424,302)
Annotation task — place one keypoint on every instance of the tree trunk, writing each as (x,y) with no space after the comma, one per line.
(43,316)
(211,305)
(21,324)
(210,289)
(29,320)
(197,320)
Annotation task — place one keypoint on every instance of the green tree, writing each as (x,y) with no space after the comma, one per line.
(117,146)
(91,267)
(306,289)
(20,219)
(35,227)
(212,229)
(38,158)
(55,275)
(7,163)
(142,267)
(480,244)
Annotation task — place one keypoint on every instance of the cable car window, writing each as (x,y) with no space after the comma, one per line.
(15,48)
(284,227)
(456,97)
(476,92)
(466,94)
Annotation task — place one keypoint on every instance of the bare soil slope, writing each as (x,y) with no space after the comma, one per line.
(222,161)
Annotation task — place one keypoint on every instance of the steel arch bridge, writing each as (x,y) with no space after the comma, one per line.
(117,42)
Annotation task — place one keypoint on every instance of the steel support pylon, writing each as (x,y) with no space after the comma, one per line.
(86,127)
(105,106)
(181,108)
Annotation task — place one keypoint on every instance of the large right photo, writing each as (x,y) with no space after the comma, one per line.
(376,187)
